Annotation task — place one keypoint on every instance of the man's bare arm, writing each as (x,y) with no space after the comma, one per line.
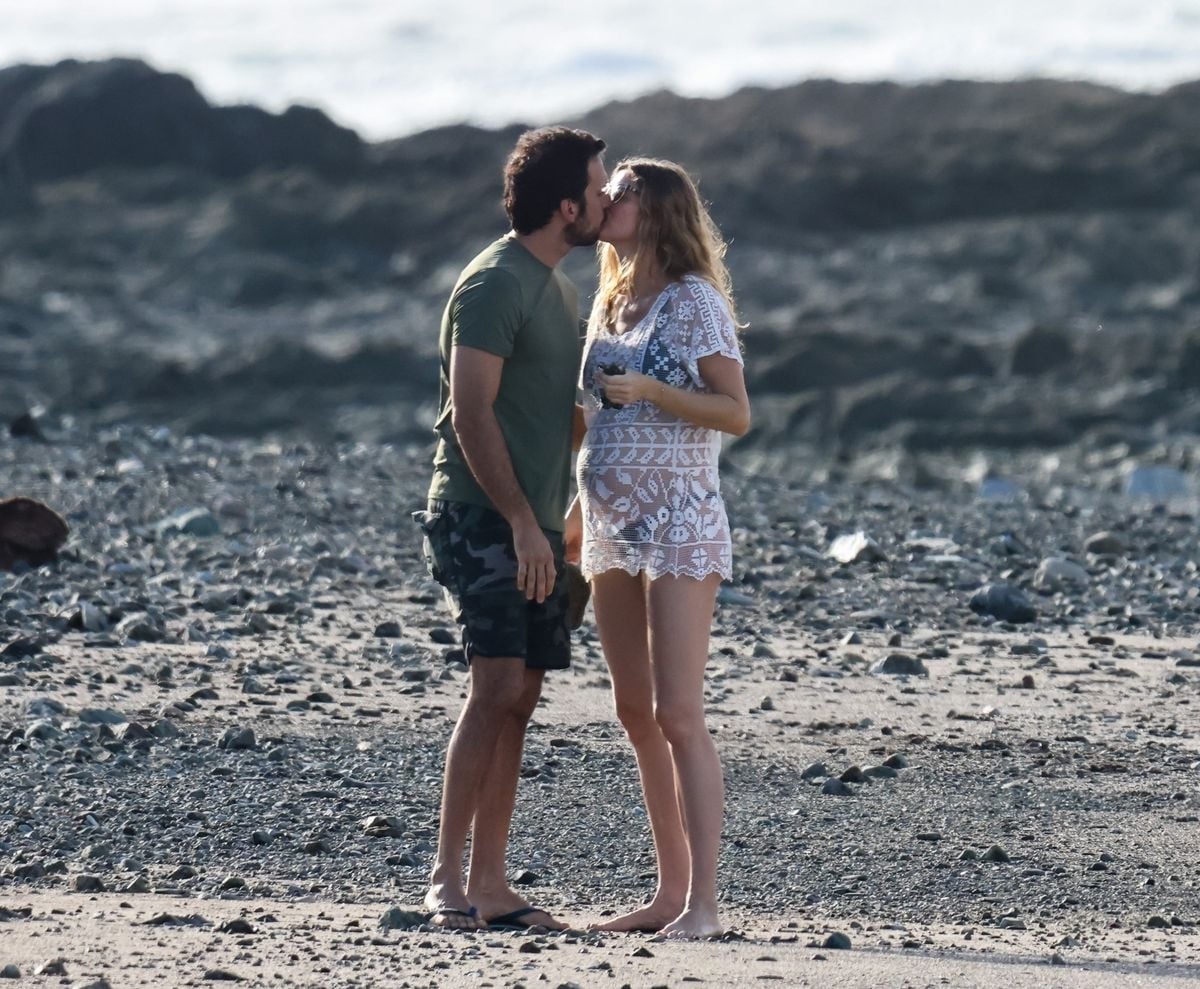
(474,385)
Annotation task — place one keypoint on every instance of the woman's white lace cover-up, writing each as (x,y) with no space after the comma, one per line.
(648,480)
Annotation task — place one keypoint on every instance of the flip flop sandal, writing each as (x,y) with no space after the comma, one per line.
(512,921)
(471,914)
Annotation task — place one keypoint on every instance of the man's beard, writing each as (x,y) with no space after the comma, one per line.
(578,235)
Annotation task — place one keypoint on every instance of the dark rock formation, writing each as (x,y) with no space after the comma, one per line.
(30,532)
(927,267)
(75,117)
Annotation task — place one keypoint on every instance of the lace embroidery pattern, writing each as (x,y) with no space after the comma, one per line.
(648,480)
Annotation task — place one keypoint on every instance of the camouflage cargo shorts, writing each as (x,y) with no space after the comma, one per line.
(469,551)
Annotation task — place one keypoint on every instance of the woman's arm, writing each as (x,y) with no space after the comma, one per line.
(726,406)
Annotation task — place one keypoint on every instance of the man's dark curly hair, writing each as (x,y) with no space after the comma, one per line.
(547,166)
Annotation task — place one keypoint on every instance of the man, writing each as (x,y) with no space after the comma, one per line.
(510,354)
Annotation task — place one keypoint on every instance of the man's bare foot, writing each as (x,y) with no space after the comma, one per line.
(648,919)
(695,923)
(449,910)
(507,908)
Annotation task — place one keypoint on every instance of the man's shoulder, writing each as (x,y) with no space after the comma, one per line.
(507,256)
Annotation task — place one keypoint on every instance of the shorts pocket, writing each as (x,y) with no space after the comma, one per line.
(433,546)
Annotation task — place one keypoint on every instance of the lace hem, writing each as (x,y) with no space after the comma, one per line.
(653,570)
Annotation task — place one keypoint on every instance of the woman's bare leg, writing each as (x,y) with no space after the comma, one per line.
(620,605)
(680,612)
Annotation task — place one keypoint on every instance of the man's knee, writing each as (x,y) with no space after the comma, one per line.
(504,687)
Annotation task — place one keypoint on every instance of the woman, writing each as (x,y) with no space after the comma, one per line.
(663,378)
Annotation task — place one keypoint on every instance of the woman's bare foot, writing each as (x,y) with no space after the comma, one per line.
(694,923)
(449,910)
(648,919)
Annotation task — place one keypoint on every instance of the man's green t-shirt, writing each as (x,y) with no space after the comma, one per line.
(510,304)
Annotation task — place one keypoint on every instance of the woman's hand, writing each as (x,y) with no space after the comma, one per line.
(573,533)
(627,388)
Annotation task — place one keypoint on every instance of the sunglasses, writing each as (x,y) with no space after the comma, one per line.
(616,193)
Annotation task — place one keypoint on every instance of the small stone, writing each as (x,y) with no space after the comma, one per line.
(642,952)
(880,773)
(91,618)
(900,664)
(856,547)
(44,731)
(379,826)
(996,854)
(10,972)
(183,872)
(238,739)
(766,704)
(395,919)
(727,595)
(388,630)
(1104,544)
(814,770)
(1057,959)
(1057,573)
(101,716)
(221,975)
(852,774)
(1003,601)
(529,948)
(87,884)
(834,787)
(237,926)
(233,882)
(837,941)
(1012,924)
(896,761)
(525,878)
(968,855)
(199,522)
(443,636)
(56,966)
(928,836)
(1158,921)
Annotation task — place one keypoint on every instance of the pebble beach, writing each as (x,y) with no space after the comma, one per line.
(223,712)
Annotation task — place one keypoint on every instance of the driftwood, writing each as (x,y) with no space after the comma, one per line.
(30,532)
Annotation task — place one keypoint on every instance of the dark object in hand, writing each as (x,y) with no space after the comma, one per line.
(604,399)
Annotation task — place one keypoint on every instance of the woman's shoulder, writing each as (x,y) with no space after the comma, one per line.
(698,289)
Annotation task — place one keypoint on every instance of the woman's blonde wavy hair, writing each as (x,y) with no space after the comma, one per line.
(674,230)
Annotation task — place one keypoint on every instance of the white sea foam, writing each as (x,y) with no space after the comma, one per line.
(389,68)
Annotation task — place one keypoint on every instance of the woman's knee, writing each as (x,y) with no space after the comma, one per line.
(637,718)
(680,723)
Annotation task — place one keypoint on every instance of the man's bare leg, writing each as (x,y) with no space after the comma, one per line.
(487,878)
(497,688)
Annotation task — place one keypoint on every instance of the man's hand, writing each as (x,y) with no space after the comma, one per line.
(535,562)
